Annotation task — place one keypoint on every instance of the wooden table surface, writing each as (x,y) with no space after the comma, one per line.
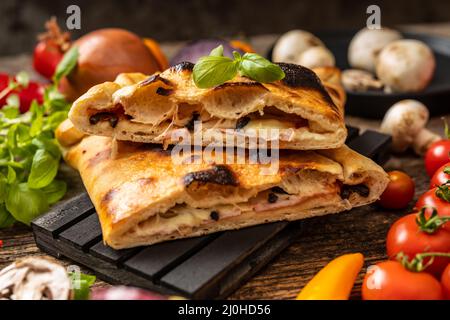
(322,238)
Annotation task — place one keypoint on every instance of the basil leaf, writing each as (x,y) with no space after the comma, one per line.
(6,219)
(54,120)
(260,69)
(11,177)
(66,65)
(3,188)
(217,52)
(22,134)
(212,71)
(55,191)
(10,112)
(43,169)
(81,284)
(24,203)
(45,143)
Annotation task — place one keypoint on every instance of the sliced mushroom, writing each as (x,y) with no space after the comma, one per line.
(360,80)
(34,278)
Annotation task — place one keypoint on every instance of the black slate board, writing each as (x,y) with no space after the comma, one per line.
(207,267)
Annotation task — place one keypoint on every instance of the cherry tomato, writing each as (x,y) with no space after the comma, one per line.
(405,236)
(399,191)
(4,80)
(47,55)
(389,280)
(445,282)
(430,199)
(440,177)
(34,91)
(437,155)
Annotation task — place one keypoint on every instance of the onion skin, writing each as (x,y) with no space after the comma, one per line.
(104,54)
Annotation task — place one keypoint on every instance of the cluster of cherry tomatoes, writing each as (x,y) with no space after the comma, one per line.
(418,244)
(47,54)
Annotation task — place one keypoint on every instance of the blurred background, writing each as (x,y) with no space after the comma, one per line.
(172,20)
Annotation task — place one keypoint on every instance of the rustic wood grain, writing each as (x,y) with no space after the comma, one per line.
(323,238)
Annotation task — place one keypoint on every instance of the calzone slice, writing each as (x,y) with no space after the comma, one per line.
(143,197)
(307,113)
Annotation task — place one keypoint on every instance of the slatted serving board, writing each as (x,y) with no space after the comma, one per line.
(206,267)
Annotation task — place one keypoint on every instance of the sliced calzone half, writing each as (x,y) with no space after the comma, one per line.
(143,197)
(299,112)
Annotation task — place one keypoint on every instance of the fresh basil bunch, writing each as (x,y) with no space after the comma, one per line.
(29,153)
(215,69)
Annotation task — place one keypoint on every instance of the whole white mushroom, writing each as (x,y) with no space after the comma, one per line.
(405,66)
(316,57)
(406,122)
(292,44)
(367,44)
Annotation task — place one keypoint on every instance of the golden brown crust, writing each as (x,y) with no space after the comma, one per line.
(143,181)
(151,103)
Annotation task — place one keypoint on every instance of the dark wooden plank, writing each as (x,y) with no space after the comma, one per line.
(352,133)
(195,276)
(103,270)
(372,144)
(104,252)
(157,259)
(84,233)
(64,215)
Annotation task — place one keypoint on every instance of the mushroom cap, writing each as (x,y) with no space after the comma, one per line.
(359,80)
(367,44)
(315,57)
(34,278)
(291,44)
(403,121)
(406,65)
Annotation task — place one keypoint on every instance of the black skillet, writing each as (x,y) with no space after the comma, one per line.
(374,104)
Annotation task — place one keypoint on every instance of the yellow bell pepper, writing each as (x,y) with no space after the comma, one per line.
(335,281)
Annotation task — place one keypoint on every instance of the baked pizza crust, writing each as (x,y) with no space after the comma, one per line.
(159,108)
(141,183)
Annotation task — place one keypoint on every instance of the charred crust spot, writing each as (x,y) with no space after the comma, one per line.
(360,189)
(219,174)
(214,215)
(149,80)
(279,190)
(183,66)
(111,117)
(242,122)
(154,78)
(190,124)
(163,91)
(240,84)
(272,198)
(300,77)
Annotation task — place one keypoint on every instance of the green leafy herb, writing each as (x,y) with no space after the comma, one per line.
(55,191)
(81,284)
(43,169)
(215,69)
(29,152)
(67,64)
(25,203)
